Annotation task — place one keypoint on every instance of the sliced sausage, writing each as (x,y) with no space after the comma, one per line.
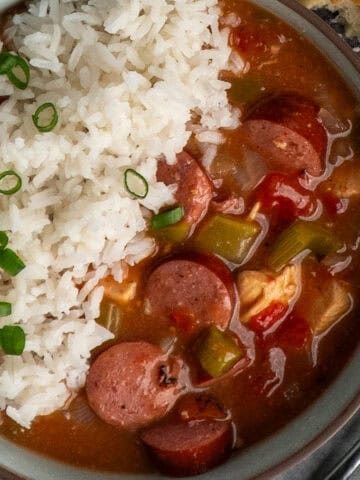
(194,188)
(200,288)
(189,448)
(132,384)
(286,130)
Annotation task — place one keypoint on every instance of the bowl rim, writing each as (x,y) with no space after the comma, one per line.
(325,29)
(354,406)
(325,436)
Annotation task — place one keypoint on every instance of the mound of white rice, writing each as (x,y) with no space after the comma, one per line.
(127,77)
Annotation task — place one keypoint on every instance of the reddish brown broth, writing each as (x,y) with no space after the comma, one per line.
(280,60)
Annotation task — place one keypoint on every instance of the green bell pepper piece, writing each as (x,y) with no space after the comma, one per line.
(227,236)
(218,352)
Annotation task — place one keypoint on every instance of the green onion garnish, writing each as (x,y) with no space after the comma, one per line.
(50,125)
(169,217)
(135,183)
(7,62)
(12,339)
(4,240)
(12,62)
(16,187)
(5,309)
(10,262)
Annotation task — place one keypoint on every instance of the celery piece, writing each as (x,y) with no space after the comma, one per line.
(218,352)
(301,236)
(172,233)
(110,318)
(227,236)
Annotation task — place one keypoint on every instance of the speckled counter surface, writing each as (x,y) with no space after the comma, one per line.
(318,465)
(332,19)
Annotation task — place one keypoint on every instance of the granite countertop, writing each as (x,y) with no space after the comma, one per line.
(319,464)
(333,20)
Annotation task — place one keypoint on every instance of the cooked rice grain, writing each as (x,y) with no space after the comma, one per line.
(127,77)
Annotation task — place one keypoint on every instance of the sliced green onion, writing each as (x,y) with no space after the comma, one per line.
(301,236)
(12,339)
(169,217)
(46,127)
(135,183)
(5,309)
(14,79)
(10,262)
(16,187)
(4,240)
(7,62)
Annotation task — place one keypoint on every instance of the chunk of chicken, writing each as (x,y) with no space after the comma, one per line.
(345,181)
(257,289)
(325,300)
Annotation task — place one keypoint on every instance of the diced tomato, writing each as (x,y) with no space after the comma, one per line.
(183,320)
(294,333)
(267,317)
(284,197)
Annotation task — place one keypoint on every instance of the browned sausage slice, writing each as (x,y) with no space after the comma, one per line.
(203,291)
(189,448)
(132,384)
(194,190)
(286,130)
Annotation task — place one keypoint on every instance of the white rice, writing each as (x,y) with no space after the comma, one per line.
(127,77)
